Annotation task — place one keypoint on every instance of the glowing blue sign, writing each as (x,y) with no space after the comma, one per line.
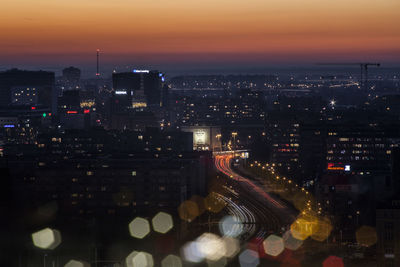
(141,71)
(9,126)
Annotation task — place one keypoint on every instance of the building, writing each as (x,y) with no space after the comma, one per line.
(388,232)
(71,78)
(138,89)
(32,88)
(205,137)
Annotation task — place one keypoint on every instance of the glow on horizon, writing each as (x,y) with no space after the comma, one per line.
(277,29)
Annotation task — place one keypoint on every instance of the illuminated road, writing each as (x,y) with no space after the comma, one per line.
(260,212)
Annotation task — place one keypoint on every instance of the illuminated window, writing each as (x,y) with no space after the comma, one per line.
(133,173)
(89,173)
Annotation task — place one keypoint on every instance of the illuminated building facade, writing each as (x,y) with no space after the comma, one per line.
(205,137)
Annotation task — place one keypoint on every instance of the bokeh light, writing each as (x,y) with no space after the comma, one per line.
(214,203)
(323,230)
(211,246)
(290,242)
(74,263)
(219,263)
(139,259)
(273,245)
(188,210)
(162,222)
(199,202)
(171,261)
(46,238)
(231,226)
(249,258)
(191,253)
(232,246)
(305,225)
(366,236)
(139,227)
(333,261)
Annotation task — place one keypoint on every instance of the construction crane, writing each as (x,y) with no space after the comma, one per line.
(363,74)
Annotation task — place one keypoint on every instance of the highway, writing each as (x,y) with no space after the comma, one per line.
(260,212)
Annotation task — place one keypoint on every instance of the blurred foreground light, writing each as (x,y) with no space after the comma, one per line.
(188,210)
(139,227)
(191,252)
(323,230)
(232,246)
(139,259)
(46,238)
(304,226)
(211,246)
(162,222)
(219,263)
(290,242)
(171,261)
(366,236)
(214,203)
(333,261)
(74,263)
(249,258)
(231,226)
(273,245)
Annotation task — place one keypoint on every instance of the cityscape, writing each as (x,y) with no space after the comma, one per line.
(198,136)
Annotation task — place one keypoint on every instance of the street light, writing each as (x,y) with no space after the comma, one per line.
(234,134)
(218,136)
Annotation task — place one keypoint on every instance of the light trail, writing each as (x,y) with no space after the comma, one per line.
(222,162)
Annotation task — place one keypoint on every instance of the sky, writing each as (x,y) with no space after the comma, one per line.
(198,33)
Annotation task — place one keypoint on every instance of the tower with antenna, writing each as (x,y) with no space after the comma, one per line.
(97,56)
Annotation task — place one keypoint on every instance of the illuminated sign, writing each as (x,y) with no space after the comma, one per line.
(9,126)
(200,137)
(141,71)
(347,168)
(33,108)
(72,112)
(333,167)
(121,92)
(86,111)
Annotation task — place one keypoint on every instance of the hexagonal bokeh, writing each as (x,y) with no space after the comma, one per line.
(231,226)
(139,259)
(46,238)
(273,245)
(188,210)
(74,263)
(213,203)
(232,246)
(333,261)
(211,246)
(290,242)
(366,236)
(162,222)
(171,261)
(249,258)
(139,227)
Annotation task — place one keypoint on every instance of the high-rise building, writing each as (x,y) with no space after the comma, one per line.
(139,88)
(71,77)
(21,87)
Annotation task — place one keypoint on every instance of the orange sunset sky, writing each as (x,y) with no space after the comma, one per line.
(186,30)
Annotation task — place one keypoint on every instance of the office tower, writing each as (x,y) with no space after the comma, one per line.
(21,87)
(71,77)
(139,88)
